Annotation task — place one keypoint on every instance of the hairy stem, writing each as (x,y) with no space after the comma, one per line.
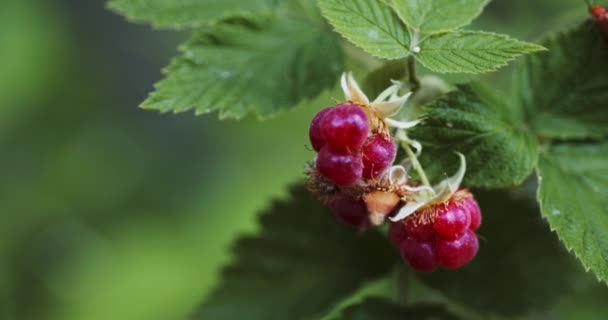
(416,164)
(411,72)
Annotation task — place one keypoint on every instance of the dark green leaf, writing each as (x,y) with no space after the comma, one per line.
(471,51)
(186,13)
(381,309)
(472,120)
(237,69)
(369,24)
(565,90)
(520,266)
(574,199)
(298,267)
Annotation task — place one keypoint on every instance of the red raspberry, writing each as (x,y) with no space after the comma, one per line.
(474,211)
(343,168)
(314,132)
(452,220)
(349,210)
(379,153)
(456,253)
(345,127)
(421,256)
(418,230)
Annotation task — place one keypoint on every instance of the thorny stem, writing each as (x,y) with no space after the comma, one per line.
(411,72)
(416,164)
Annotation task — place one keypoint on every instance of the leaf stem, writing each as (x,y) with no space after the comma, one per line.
(416,164)
(411,72)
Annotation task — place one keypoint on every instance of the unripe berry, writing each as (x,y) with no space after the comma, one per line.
(379,153)
(349,210)
(345,127)
(314,132)
(453,220)
(421,256)
(456,253)
(342,168)
(380,204)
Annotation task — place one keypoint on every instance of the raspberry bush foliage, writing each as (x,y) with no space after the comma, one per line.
(426,196)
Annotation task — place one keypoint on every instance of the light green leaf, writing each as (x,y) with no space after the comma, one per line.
(565,90)
(238,69)
(369,24)
(520,266)
(186,13)
(472,120)
(382,309)
(301,264)
(432,16)
(573,198)
(471,51)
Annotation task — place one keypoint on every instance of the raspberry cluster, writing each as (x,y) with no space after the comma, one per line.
(347,149)
(600,16)
(440,234)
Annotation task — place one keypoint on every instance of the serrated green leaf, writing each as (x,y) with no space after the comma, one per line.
(238,69)
(432,16)
(573,198)
(369,24)
(298,267)
(565,90)
(472,120)
(186,13)
(520,266)
(382,309)
(471,51)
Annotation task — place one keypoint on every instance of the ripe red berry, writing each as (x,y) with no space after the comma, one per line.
(474,211)
(349,210)
(345,127)
(456,253)
(342,168)
(421,256)
(314,132)
(598,12)
(379,153)
(453,219)
(418,230)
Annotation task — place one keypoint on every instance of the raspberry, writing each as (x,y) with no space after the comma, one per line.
(453,219)
(349,210)
(474,211)
(421,256)
(343,168)
(418,230)
(598,12)
(345,127)
(314,132)
(456,253)
(379,153)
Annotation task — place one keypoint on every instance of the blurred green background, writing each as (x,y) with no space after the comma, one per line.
(111,212)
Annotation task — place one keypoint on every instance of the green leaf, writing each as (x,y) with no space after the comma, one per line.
(301,264)
(572,195)
(471,51)
(520,266)
(382,309)
(566,89)
(186,13)
(244,68)
(432,16)
(369,24)
(474,121)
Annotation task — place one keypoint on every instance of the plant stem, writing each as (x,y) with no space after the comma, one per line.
(416,165)
(411,72)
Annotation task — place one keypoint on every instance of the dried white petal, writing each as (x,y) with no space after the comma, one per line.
(397,175)
(401,124)
(352,91)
